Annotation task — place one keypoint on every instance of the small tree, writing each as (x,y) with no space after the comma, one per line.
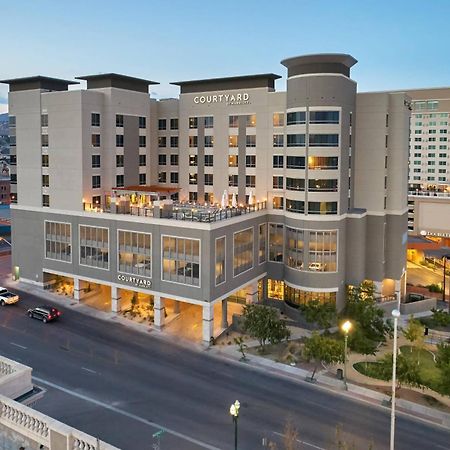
(320,313)
(359,343)
(407,372)
(263,323)
(321,349)
(443,363)
(414,333)
(242,346)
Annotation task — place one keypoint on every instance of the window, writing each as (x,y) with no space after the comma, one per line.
(192,196)
(135,253)
(181,260)
(45,181)
(250,120)
(142,141)
(417,131)
(193,178)
(12,141)
(295,184)
(174,124)
(44,120)
(209,179)
(174,177)
(193,141)
(432,131)
(443,131)
(322,185)
(193,160)
(278,161)
(295,162)
(58,240)
(278,182)
(296,206)
(295,140)
(276,239)
(96,183)
(250,161)
(209,160)
(220,260)
(232,141)
(322,162)
(294,248)
(162,177)
(162,160)
(322,207)
(142,122)
(297,297)
(13,178)
(242,251)
(162,141)
(250,180)
(250,140)
(233,180)
(193,122)
(119,181)
(44,140)
(95,161)
(278,202)
(94,246)
(95,140)
(12,121)
(119,140)
(324,117)
(209,197)
(323,140)
(119,120)
(442,139)
(233,160)
(119,160)
(173,141)
(142,179)
(278,119)
(209,122)
(174,160)
(322,246)
(278,140)
(209,141)
(142,160)
(295,118)
(233,121)
(44,160)
(161,124)
(262,243)
(95,119)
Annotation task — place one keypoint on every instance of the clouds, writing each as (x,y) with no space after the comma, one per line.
(3,100)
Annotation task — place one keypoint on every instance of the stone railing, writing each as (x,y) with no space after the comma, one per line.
(15,378)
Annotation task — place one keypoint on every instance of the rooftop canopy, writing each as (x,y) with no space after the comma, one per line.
(38,82)
(153,189)
(116,80)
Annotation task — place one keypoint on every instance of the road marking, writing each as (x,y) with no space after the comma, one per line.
(127,414)
(18,345)
(301,442)
(89,370)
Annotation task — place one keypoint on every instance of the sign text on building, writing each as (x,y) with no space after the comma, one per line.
(229,99)
(138,282)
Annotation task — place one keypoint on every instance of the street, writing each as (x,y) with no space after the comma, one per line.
(123,386)
(419,275)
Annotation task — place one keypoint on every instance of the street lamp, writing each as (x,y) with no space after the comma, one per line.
(445,257)
(346,327)
(234,411)
(395,315)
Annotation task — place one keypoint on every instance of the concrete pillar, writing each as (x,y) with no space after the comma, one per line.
(208,322)
(378,288)
(251,295)
(159,311)
(76,289)
(115,299)
(398,290)
(176,307)
(224,314)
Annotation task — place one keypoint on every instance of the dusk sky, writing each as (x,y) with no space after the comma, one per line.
(398,44)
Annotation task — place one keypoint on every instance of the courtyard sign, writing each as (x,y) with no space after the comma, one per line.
(229,99)
(138,282)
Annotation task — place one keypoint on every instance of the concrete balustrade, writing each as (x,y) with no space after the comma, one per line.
(15,378)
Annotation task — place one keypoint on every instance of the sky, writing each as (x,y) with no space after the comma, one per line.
(398,43)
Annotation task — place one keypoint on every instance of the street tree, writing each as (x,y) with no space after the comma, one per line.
(242,346)
(359,343)
(320,313)
(407,372)
(414,333)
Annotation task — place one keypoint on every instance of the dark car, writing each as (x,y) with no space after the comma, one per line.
(44,313)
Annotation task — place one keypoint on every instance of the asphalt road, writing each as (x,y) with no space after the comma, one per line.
(122,386)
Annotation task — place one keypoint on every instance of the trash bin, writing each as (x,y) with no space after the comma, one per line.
(339,374)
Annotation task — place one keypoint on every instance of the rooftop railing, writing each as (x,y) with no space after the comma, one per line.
(429,193)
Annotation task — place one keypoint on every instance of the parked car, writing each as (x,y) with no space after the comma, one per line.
(317,267)
(7,298)
(44,313)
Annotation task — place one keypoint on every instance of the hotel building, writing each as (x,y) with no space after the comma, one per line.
(233,191)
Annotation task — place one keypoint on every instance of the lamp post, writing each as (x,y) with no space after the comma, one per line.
(234,411)
(395,315)
(346,327)
(445,257)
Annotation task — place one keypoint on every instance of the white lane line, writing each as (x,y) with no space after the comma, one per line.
(127,414)
(18,345)
(89,370)
(301,442)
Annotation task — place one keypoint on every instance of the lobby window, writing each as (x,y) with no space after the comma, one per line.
(250,181)
(119,120)
(295,162)
(322,256)
(44,160)
(323,140)
(250,120)
(209,160)
(232,141)
(278,161)
(96,200)
(262,243)
(94,247)
(162,160)
(45,181)
(174,124)
(135,253)
(294,248)
(44,120)
(96,182)
(142,141)
(250,161)
(193,178)
(162,177)
(181,260)
(250,140)
(174,160)
(162,124)
(321,117)
(278,119)
(58,241)
(322,207)
(296,297)
(295,184)
(278,202)
(119,140)
(95,119)
(242,251)
(233,180)
(119,160)
(46,200)
(95,161)
(193,196)
(209,179)
(193,141)
(295,140)
(275,289)
(209,141)
(323,185)
(95,140)
(193,122)
(142,160)
(296,118)
(295,206)
(162,141)
(233,160)
(233,121)
(278,182)
(142,122)
(278,140)
(220,260)
(173,141)
(142,179)
(193,160)
(174,177)
(276,239)
(209,122)
(44,140)
(119,181)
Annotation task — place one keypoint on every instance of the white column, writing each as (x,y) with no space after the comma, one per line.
(378,288)
(159,311)
(208,322)
(252,293)
(115,299)
(398,291)
(76,289)
(176,307)
(224,314)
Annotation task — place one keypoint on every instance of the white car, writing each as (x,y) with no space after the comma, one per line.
(7,298)
(316,267)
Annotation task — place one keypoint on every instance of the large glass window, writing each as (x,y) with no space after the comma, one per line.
(295,118)
(220,260)
(251,120)
(322,162)
(58,241)
(94,246)
(276,238)
(262,243)
(322,247)
(135,253)
(296,297)
(295,184)
(297,206)
(278,119)
(295,162)
(209,122)
(278,140)
(181,260)
(324,117)
(295,140)
(275,289)
(323,140)
(233,121)
(278,161)
(294,248)
(243,251)
(322,207)
(323,185)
